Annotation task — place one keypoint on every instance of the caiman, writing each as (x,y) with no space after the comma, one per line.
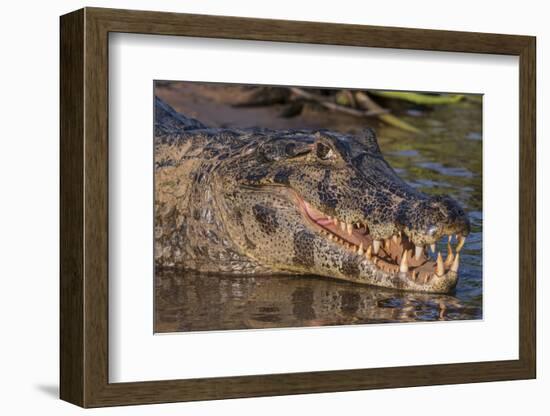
(318,202)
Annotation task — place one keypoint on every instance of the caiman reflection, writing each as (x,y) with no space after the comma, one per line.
(197,302)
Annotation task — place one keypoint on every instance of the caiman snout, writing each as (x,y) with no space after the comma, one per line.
(425,222)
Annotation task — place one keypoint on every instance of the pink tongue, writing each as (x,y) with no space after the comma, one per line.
(316,215)
(313,213)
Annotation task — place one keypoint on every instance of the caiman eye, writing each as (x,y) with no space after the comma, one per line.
(325,152)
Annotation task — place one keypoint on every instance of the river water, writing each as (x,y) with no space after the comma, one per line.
(445,158)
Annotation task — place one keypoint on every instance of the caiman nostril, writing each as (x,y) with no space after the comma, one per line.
(432,230)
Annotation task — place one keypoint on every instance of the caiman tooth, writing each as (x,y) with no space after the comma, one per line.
(413,275)
(450,256)
(376,246)
(368,254)
(335,221)
(454,266)
(432,247)
(395,239)
(418,250)
(360,250)
(440,269)
(404,266)
(330,237)
(387,245)
(343,226)
(461,241)
(349,228)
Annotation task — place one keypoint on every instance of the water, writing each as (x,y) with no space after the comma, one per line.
(445,159)
(194,302)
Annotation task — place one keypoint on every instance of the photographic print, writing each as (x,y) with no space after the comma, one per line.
(291,206)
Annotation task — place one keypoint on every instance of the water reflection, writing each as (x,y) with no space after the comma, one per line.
(188,301)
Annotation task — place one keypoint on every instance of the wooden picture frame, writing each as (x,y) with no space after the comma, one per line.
(84,207)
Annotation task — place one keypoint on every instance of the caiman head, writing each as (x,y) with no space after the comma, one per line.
(328,204)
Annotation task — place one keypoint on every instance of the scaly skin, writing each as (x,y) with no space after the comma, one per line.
(257,201)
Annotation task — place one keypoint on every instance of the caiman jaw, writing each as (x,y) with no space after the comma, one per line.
(396,255)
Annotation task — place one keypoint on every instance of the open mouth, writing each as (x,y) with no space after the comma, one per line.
(394,255)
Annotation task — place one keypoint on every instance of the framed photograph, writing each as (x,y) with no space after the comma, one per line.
(256,207)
